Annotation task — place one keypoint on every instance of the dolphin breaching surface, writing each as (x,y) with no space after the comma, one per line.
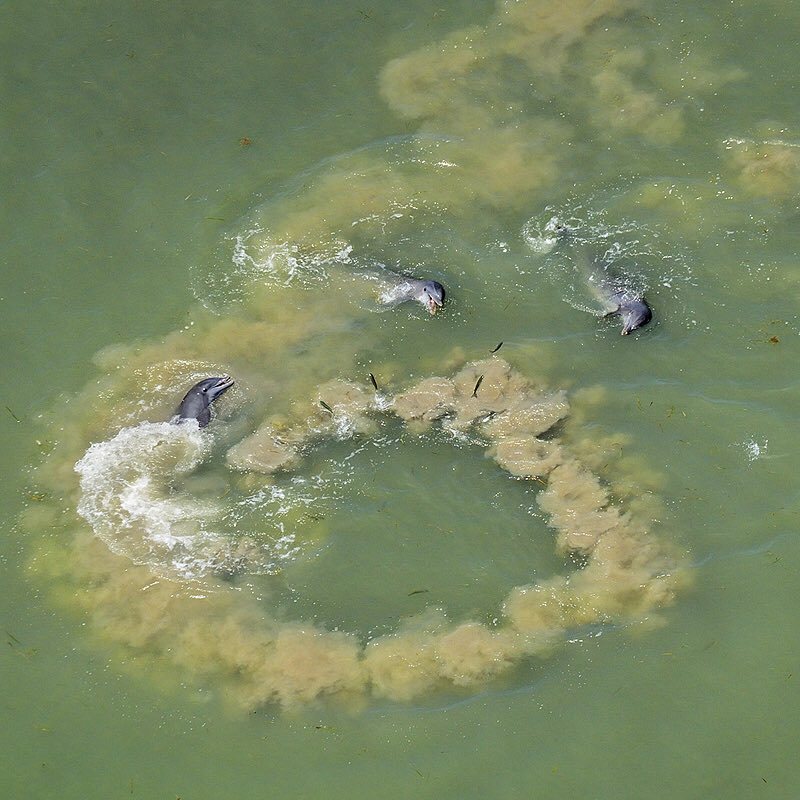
(391,505)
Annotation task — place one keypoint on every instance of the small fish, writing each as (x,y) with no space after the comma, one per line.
(496,348)
(477,386)
(326,406)
(374,382)
(418,591)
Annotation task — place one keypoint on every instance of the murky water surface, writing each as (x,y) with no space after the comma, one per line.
(496,551)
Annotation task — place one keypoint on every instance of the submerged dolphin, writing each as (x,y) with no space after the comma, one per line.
(429,293)
(614,291)
(198,400)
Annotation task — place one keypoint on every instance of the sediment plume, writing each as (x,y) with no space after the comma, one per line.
(225,637)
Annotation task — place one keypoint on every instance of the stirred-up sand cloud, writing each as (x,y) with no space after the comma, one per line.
(149,581)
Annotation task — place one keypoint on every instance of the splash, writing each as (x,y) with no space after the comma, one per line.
(123,498)
(753,449)
(638,254)
(129,497)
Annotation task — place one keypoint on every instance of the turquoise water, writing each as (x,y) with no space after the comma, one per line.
(216,188)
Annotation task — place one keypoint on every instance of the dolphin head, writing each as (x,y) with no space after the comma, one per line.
(431,294)
(212,388)
(635,313)
(196,404)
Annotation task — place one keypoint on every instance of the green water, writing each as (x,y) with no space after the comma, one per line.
(673,133)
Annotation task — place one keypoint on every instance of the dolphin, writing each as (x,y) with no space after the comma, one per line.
(621,300)
(430,293)
(198,400)
(614,292)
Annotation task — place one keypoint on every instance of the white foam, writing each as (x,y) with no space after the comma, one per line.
(541,238)
(732,142)
(126,497)
(129,497)
(396,294)
(284,263)
(753,449)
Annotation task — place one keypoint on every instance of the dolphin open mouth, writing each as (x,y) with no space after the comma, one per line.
(221,386)
(434,296)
